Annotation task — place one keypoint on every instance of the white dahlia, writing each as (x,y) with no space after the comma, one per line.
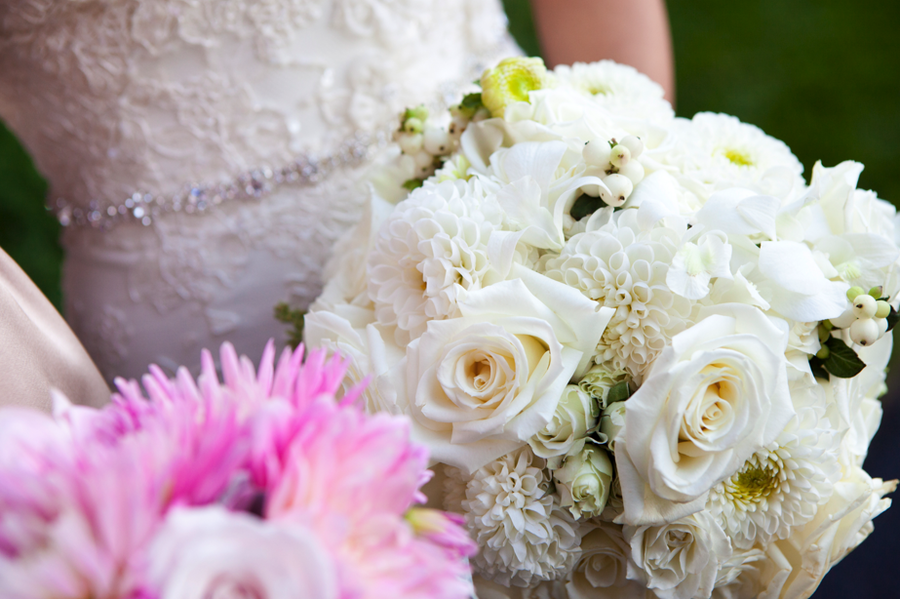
(619,88)
(429,254)
(715,151)
(523,535)
(625,268)
(781,485)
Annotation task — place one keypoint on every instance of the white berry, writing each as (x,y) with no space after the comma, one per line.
(620,187)
(865,306)
(619,155)
(864,331)
(410,143)
(436,141)
(634,170)
(596,153)
(634,144)
(844,320)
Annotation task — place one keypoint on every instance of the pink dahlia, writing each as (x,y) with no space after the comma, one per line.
(93,502)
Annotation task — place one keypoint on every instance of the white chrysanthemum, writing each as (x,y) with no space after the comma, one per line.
(619,88)
(429,253)
(523,535)
(625,268)
(782,485)
(715,151)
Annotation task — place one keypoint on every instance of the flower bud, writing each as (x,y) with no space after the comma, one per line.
(596,153)
(864,331)
(864,306)
(620,187)
(436,141)
(634,144)
(883,309)
(619,155)
(575,414)
(410,143)
(612,422)
(584,480)
(511,81)
(598,381)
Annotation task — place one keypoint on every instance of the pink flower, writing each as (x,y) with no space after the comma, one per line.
(90,499)
(444,529)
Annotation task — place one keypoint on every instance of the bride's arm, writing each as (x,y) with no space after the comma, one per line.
(634,32)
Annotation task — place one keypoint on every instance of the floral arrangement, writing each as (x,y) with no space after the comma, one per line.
(646,354)
(263,487)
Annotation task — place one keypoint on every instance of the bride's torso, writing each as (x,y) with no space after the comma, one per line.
(204,153)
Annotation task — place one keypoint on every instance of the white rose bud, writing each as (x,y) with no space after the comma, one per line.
(584,480)
(599,381)
(612,422)
(575,414)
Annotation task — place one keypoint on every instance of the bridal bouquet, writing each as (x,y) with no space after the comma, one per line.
(260,487)
(647,354)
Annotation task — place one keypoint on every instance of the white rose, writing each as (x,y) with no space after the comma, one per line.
(714,397)
(584,481)
(481,385)
(678,560)
(602,571)
(575,414)
(211,552)
(839,526)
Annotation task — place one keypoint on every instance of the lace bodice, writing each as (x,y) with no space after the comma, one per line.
(117,96)
(113,96)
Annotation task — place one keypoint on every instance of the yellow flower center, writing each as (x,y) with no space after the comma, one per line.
(737,157)
(753,483)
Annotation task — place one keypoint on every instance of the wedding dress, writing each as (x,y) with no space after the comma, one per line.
(204,154)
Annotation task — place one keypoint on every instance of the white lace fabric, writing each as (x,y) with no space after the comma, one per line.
(117,96)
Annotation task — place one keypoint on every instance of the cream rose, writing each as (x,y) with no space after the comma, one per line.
(714,397)
(602,571)
(678,560)
(584,480)
(481,385)
(575,414)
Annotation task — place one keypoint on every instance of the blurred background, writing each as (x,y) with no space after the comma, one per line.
(822,76)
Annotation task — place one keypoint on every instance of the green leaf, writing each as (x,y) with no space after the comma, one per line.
(843,361)
(412,184)
(618,392)
(470,104)
(818,368)
(284,313)
(586,205)
(892,318)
